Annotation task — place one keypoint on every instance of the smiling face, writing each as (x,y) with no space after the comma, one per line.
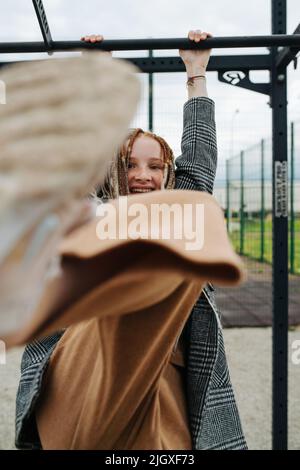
(146,166)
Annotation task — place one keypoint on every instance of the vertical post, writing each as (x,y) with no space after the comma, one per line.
(280,236)
(242,219)
(227,196)
(150,97)
(292,246)
(262,196)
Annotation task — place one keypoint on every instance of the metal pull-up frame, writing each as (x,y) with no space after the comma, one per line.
(276,62)
(146,44)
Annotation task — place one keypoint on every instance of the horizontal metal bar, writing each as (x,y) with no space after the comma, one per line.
(216,63)
(155,44)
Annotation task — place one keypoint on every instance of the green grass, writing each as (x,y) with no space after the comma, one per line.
(252,241)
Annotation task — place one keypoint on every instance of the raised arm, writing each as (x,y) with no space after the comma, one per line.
(196,167)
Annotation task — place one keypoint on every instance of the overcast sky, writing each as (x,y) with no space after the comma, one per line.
(69,19)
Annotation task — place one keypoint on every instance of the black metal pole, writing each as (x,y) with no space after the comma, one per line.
(227,196)
(150,97)
(242,203)
(161,43)
(44,26)
(292,190)
(262,198)
(280,237)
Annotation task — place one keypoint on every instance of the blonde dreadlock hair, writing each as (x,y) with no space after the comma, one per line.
(116,181)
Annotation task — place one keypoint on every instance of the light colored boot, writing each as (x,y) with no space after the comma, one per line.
(63,123)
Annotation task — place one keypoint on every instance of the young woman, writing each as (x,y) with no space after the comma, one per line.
(158,384)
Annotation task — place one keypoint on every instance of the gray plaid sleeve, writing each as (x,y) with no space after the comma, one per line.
(196,167)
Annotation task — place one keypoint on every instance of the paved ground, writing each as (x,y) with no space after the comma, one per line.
(249,357)
(251,303)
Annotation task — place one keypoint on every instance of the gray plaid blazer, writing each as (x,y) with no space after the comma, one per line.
(213,414)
